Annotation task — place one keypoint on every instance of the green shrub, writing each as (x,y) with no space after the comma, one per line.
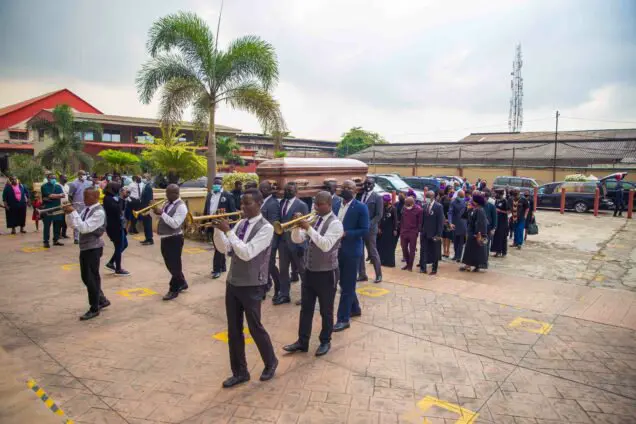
(27,169)
(230,179)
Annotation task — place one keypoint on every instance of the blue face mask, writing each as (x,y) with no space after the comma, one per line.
(109,178)
(53,181)
(216,188)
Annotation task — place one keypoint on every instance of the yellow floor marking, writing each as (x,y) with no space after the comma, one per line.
(33,249)
(371,291)
(139,238)
(193,250)
(531,325)
(223,336)
(50,403)
(70,267)
(138,292)
(466,416)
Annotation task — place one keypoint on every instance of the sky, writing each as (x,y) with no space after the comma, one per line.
(413,71)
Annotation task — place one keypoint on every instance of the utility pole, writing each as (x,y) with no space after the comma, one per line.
(556,139)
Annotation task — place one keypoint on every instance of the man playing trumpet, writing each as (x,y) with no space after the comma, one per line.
(171,216)
(321,262)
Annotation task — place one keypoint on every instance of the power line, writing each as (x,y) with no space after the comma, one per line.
(599,120)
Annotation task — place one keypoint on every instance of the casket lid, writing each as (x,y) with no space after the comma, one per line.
(281,164)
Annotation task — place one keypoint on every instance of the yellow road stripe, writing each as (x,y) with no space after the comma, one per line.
(50,403)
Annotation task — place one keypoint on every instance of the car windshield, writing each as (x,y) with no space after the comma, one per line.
(398,183)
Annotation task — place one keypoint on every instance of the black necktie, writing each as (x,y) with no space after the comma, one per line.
(85,213)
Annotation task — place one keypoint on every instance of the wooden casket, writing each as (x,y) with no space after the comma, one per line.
(311,174)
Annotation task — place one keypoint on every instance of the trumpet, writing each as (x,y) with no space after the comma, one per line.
(290,225)
(147,209)
(215,222)
(195,219)
(55,210)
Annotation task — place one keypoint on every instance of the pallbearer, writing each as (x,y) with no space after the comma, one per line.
(171,216)
(90,225)
(321,262)
(249,244)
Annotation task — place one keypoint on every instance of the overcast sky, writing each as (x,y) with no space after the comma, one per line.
(418,70)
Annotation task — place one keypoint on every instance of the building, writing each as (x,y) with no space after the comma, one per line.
(129,133)
(529,154)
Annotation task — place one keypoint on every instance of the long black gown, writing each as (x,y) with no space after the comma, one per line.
(386,241)
(476,254)
(500,239)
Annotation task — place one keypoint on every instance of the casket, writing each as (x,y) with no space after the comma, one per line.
(310,174)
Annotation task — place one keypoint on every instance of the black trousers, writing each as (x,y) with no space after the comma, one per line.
(89,269)
(274,273)
(63,229)
(147,220)
(319,285)
(618,208)
(133,205)
(218,259)
(171,249)
(246,300)
(458,246)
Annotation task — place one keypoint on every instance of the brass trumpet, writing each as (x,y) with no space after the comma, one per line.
(290,225)
(215,222)
(55,210)
(195,219)
(147,209)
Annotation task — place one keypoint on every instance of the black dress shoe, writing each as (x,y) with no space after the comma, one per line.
(423,271)
(433,273)
(340,326)
(295,347)
(147,243)
(294,278)
(64,236)
(280,300)
(323,349)
(234,380)
(47,245)
(183,287)
(216,275)
(170,295)
(89,315)
(104,304)
(57,243)
(363,279)
(356,314)
(378,280)
(268,372)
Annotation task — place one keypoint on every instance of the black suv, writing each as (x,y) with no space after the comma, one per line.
(523,184)
(579,196)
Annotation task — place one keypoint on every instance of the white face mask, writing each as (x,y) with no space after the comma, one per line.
(409,207)
(491,201)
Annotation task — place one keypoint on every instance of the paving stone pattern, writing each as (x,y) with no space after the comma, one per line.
(414,355)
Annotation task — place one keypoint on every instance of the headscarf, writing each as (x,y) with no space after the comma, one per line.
(386,197)
(411,193)
(479,199)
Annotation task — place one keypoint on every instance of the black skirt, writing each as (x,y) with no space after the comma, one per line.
(476,254)
(16,216)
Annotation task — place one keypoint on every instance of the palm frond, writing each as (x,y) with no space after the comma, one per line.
(185,32)
(260,103)
(176,95)
(201,117)
(42,124)
(158,71)
(248,59)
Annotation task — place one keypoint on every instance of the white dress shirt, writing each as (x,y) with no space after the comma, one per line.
(89,225)
(177,219)
(230,242)
(343,209)
(290,202)
(135,190)
(65,189)
(324,243)
(214,202)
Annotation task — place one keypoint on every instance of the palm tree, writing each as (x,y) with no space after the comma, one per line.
(187,65)
(118,162)
(226,147)
(66,152)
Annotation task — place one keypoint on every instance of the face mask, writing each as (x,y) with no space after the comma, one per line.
(216,188)
(491,201)
(81,178)
(347,195)
(427,200)
(409,207)
(109,178)
(53,181)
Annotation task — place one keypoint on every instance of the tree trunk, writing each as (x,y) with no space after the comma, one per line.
(211,148)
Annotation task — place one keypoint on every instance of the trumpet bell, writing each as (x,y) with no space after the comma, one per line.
(280,228)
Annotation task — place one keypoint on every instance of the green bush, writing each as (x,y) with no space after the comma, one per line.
(230,179)
(27,169)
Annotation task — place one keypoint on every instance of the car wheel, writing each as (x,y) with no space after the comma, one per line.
(580,207)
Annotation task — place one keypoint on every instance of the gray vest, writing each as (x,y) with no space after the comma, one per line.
(254,272)
(92,240)
(164,229)
(315,259)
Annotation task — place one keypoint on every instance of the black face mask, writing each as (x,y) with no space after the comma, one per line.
(368,186)
(288,194)
(346,194)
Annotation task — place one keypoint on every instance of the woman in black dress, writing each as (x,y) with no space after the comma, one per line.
(499,243)
(476,250)
(448,233)
(387,233)
(15,198)
(115,226)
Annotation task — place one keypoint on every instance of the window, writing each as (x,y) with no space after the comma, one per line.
(89,136)
(516,182)
(502,181)
(112,136)
(529,183)
(397,183)
(610,184)
(41,134)
(18,135)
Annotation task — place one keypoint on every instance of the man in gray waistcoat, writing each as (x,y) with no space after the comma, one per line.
(90,225)
(249,245)
(321,262)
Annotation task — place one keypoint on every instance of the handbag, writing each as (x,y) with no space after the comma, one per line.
(533,228)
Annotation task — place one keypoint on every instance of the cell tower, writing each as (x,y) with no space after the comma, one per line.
(515,115)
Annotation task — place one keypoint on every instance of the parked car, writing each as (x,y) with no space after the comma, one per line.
(579,196)
(609,183)
(450,179)
(523,184)
(418,183)
(389,183)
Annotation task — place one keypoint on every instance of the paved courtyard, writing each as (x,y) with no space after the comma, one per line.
(547,335)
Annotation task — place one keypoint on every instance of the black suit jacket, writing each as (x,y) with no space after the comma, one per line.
(146,195)
(113,207)
(225,202)
(297,207)
(433,221)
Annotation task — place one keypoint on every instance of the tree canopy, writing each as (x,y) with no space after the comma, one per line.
(357,139)
(116,161)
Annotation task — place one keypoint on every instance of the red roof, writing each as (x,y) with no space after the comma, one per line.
(13,146)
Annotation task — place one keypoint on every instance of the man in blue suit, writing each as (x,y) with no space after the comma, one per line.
(336,201)
(354,216)
(146,200)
